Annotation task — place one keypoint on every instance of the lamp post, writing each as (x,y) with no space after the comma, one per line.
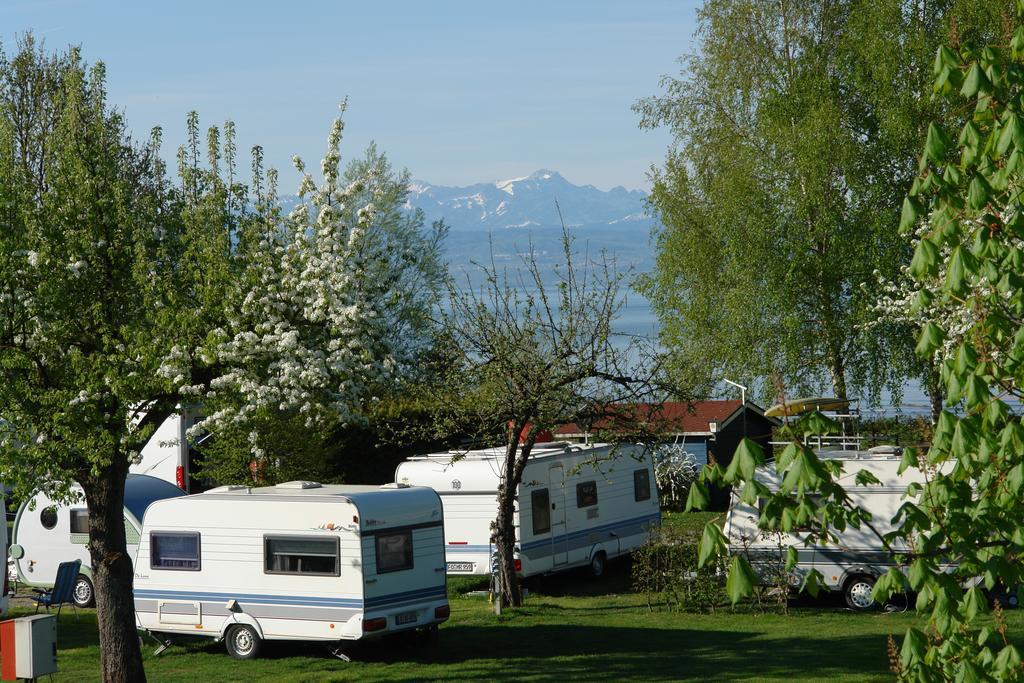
(743,402)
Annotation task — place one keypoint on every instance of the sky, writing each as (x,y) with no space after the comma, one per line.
(457,92)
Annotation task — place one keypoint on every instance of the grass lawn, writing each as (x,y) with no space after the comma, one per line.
(572,627)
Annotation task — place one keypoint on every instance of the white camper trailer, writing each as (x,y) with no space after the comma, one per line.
(170,455)
(578,504)
(47,533)
(852,565)
(297,561)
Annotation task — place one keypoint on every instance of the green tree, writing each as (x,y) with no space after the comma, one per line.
(123,295)
(532,355)
(794,126)
(962,526)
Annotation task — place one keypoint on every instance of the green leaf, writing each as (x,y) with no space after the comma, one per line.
(955,271)
(865,478)
(914,645)
(974,603)
(909,460)
(977,391)
(925,261)
(1008,660)
(937,143)
(930,339)
(1006,135)
(909,215)
(975,82)
(750,456)
(944,58)
(979,192)
(698,498)
(792,557)
(812,583)
(919,573)
(740,583)
(969,672)
(712,544)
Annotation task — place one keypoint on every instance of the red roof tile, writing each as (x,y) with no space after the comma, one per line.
(673,416)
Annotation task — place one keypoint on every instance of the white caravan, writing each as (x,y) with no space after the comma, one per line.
(47,533)
(852,565)
(169,455)
(577,504)
(297,561)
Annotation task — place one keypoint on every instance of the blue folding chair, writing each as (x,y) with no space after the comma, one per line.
(62,591)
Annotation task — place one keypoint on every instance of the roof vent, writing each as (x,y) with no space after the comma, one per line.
(230,488)
(394,485)
(302,485)
(885,450)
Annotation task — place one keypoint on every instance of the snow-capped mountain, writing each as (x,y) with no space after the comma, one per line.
(528,202)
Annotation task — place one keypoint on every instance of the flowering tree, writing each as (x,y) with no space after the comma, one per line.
(962,526)
(123,295)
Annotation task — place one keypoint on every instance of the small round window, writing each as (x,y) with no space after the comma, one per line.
(48,517)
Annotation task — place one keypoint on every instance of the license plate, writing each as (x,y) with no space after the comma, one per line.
(405,618)
(460,566)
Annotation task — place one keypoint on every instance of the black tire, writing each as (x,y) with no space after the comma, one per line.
(857,592)
(597,564)
(83,593)
(243,642)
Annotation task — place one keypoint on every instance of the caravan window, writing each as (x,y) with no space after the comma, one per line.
(394,551)
(79,521)
(174,550)
(48,517)
(301,555)
(541,512)
(641,485)
(586,494)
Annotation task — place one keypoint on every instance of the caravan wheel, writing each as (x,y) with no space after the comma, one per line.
(597,564)
(858,593)
(242,642)
(82,593)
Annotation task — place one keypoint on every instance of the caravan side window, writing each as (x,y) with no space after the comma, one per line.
(586,494)
(174,550)
(641,485)
(79,521)
(301,555)
(541,512)
(394,551)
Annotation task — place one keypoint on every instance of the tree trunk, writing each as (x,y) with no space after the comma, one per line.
(837,369)
(112,573)
(504,525)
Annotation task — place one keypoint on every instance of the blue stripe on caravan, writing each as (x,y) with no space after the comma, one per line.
(590,530)
(467,548)
(394,598)
(307,601)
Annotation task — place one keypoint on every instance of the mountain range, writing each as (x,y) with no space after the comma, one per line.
(531,201)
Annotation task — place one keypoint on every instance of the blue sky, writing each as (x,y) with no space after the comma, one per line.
(458,92)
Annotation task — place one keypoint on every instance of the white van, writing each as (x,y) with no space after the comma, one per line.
(852,565)
(47,533)
(578,504)
(297,561)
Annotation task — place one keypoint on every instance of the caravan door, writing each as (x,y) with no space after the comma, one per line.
(559,532)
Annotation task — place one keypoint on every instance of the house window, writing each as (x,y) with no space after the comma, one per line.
(48,517)
(394,551)
(541,512)
(301,555)
(586,494)
(641,485)
(174,550)
(79,521)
